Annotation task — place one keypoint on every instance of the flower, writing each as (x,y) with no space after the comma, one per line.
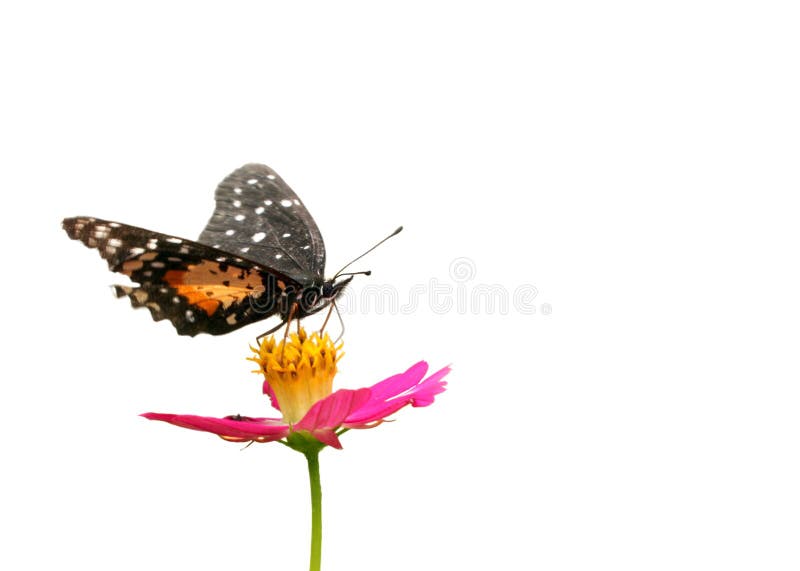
(299,374)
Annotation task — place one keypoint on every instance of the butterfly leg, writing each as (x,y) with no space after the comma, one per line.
(341,322)
(327,317)
(270,332)
(288,323)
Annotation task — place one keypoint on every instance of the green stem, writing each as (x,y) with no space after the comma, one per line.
(312,456)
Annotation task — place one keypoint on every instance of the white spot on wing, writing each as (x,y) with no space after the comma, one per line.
(252,181)
(237,190)
(278,256)
(230,232)
(286,235)
(258,236)
(244,250)
(268,202)
(115,242)
(260,210)
(237,203)
(297,202)
(238,217)
(174,240)
(286,202)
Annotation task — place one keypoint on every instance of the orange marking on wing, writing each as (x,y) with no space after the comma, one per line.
(206,286)
(131,266)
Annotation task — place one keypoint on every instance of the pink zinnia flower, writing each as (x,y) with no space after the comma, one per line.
(298,380)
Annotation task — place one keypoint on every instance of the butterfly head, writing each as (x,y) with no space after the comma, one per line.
(317,296)
(333,287)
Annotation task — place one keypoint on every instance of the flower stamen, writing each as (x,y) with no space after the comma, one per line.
(299,370)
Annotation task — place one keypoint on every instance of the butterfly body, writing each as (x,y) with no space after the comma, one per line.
(260,255)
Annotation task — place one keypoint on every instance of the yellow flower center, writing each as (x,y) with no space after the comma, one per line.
(299,369)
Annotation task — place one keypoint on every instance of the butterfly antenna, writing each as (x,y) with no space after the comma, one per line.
(395,233)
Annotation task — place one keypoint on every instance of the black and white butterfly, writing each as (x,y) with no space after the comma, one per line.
(261,254)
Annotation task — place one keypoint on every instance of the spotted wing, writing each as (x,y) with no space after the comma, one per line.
(198,288)
(259,216)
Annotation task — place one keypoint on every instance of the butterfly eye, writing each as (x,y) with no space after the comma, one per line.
(310,297)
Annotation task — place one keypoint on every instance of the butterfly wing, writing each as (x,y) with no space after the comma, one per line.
(198,288)
(259,216)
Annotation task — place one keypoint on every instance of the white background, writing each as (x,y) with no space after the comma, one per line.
(635,162)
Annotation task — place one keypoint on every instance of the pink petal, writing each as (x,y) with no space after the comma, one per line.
(429,388)
(273,400)
(416,394)
(327,436)
(396,384)
(261,429)
(333,409)
(326,415)
(367,417)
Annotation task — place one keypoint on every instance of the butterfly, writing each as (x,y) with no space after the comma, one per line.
(261,254)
